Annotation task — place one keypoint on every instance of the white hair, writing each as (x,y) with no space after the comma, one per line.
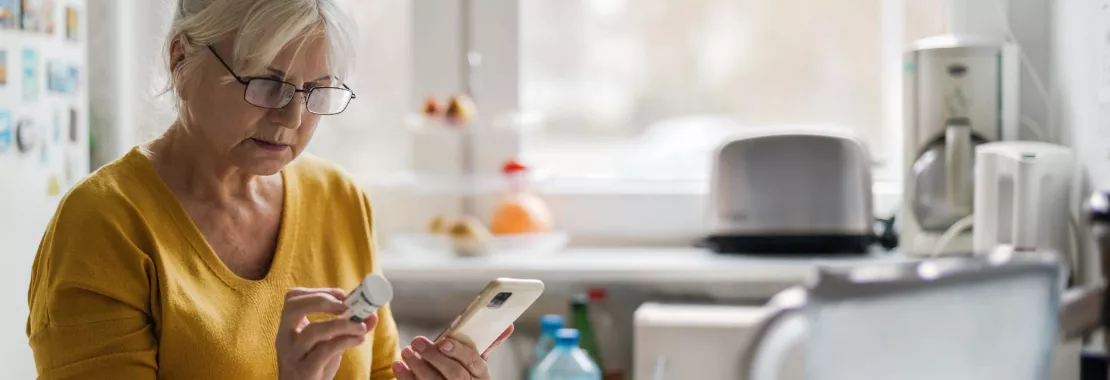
(262,29)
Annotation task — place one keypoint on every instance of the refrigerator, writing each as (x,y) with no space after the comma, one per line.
(44,146)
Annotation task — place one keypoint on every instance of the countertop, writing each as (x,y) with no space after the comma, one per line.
(690,268)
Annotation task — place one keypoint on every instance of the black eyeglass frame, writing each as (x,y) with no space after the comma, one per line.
(245,81)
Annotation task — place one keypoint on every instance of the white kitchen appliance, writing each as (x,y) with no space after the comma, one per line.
(792,190)
(960,92)
(1022,192)
(689,341)
(984,318)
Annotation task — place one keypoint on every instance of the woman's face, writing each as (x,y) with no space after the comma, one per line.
(259,141)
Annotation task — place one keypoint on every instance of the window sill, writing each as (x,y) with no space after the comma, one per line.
(593,212)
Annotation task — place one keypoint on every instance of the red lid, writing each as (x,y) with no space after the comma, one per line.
(513,167)
(596,294)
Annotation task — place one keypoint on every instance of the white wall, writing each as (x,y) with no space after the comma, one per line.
(127,72)
(1079,37)
(1078,45)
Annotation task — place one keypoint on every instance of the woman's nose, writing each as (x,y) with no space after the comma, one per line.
(290,115)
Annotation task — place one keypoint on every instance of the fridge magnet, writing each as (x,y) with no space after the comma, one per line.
(25,136)
(54,187)
(70,172)
(10,15)
(6,133)
(30,75)
(44,153)
(38,16)
(3,67)
(74,169)
(48,15)
(61,78)
(73,125)
(72,29)
(57,130)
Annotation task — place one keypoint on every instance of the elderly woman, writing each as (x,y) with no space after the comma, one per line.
(218,250)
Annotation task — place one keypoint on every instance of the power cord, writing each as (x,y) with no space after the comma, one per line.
(954,230)
(886,232)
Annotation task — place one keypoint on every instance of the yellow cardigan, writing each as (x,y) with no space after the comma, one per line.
(125,286)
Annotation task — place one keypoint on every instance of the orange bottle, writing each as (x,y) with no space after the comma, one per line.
(521,211)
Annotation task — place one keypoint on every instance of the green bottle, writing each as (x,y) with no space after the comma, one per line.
(580,317)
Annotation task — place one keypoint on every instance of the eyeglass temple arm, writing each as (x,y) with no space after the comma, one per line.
(244,81)
(349,89)
(229,70)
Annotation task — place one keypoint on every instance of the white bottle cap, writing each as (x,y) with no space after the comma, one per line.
(374,292)
(377,290)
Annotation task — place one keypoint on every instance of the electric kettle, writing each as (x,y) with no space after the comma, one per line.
(1022,195)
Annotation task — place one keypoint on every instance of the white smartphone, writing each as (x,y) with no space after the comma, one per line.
(497,306)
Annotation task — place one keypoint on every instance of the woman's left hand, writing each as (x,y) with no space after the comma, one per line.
(447,360)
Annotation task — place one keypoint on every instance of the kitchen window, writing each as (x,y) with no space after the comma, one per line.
(646,89)
(643,90)
(636,95)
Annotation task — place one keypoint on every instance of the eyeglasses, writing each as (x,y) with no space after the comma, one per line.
(276,94)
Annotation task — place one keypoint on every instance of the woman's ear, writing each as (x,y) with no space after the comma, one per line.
(177,59)
(177,54)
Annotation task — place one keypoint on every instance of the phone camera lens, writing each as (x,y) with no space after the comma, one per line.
(499,299)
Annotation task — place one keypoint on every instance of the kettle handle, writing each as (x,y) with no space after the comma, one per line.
(1026,202)
(958,161)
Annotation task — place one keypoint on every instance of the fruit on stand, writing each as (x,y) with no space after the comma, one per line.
(470,237)
(521,214)
(460,110)
(432,107)
(439,225)
(521,211)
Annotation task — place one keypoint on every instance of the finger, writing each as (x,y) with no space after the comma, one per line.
(294,292)
(401,371)
(319,332)
(501,339)
(420,368)
(289,325)
(447,366)
(371,322)
(327,350)
(299,306)
(465,355)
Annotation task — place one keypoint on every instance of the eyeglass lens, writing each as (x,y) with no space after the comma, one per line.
(268,93)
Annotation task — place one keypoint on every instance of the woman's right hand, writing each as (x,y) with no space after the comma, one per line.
(312,351)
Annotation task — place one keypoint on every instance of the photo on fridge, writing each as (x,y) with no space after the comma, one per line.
(6,133)
(72,125)
(72,24)
(3,67)
(10,14)
(30,75)
(61,78)
(38,16)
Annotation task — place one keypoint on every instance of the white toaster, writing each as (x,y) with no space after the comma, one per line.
(791,190)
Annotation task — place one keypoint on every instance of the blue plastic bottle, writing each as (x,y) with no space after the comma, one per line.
(566,361)
(549,325)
